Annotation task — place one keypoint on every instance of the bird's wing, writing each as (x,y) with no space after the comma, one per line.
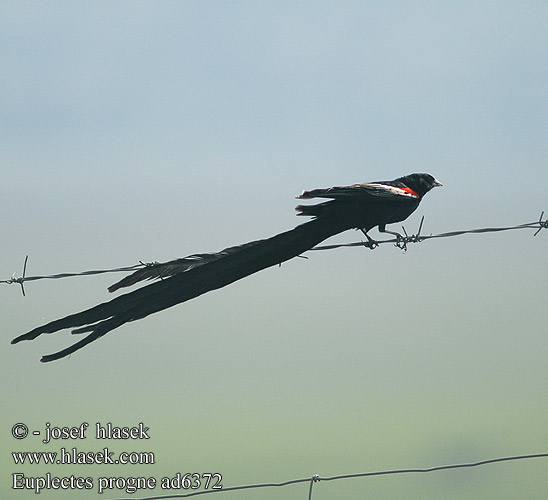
(371,191)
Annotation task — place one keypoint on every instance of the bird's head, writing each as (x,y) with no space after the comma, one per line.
(420,183)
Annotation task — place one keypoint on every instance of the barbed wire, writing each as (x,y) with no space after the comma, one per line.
(22,279)
(400,242)
(317,478)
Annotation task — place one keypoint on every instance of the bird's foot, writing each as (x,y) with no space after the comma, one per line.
(401,242)
(370,243)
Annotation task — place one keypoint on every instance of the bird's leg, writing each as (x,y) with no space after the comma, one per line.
(382,229)
(400,240)
(371,243)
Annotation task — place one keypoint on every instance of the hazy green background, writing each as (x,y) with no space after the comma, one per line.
(151,130)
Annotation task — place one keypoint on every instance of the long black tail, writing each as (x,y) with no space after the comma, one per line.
(216,273)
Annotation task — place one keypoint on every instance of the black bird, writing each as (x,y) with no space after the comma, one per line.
(359,206)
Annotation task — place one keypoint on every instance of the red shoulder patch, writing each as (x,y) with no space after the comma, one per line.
(410,191)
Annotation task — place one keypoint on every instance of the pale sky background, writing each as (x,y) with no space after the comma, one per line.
(151,130)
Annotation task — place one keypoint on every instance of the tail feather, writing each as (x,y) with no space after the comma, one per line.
(228,266)
(166,269)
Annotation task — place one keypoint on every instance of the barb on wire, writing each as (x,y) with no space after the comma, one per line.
(316,478)
(313,479)
(21,279)
(402,241)
(541,224)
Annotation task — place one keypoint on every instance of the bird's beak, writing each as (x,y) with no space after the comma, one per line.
(437,183)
